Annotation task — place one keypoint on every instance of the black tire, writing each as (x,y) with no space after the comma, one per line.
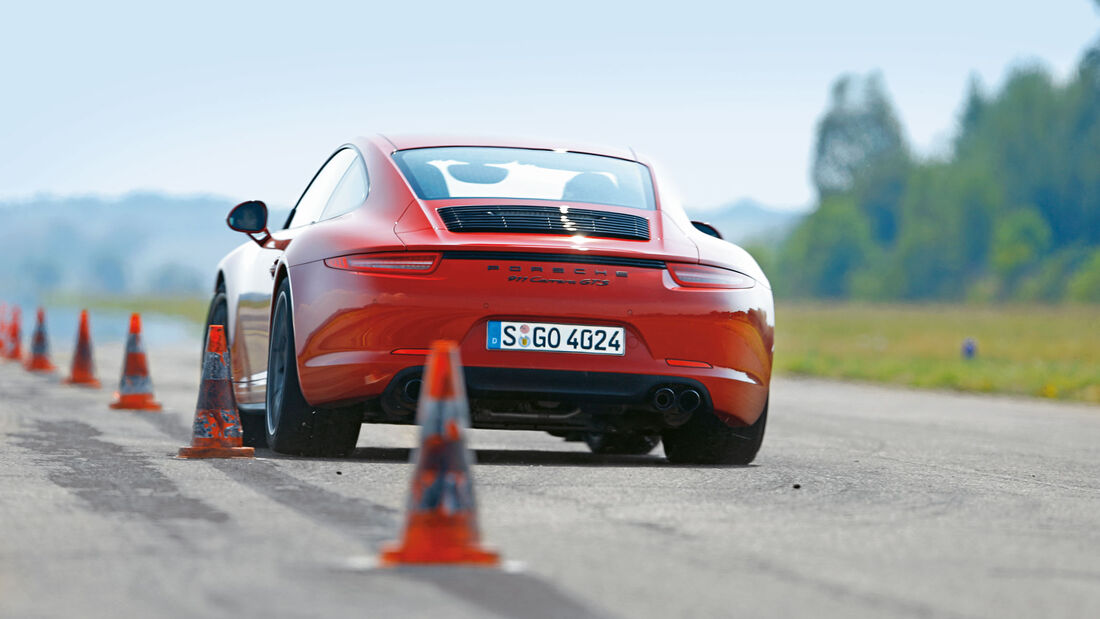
(293,426)
(705,439)
(252,423)
(625,443)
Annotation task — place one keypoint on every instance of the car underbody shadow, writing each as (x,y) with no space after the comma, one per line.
(506,457)
(509,457)
(516,457)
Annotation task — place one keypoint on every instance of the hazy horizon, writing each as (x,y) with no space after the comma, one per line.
(11,201)
(247,101)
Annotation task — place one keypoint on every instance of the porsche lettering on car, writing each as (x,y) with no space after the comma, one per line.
(584,301)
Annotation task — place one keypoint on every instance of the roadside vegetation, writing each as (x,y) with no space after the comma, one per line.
(995,237)
(1032,350)
(1007,210)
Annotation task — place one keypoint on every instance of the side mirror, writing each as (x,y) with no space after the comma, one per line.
(248,217)
(251,218)
(705,229)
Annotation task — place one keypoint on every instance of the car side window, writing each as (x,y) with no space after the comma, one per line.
(350,192)
(317,195)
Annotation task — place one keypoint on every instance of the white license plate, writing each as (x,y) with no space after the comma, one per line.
(546,336)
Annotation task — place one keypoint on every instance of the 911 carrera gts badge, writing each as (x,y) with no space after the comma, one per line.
(551,280)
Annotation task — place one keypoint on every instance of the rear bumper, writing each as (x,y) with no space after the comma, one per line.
(348,327)
(556,399)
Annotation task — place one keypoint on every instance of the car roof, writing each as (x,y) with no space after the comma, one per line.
(405,141)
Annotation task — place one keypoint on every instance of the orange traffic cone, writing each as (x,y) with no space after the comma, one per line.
(3,330)
(39,360)
(83,370)
(14,350)
(442,520)
(217,428)
(135,389)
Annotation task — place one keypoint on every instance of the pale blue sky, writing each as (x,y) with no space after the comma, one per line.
(246,100)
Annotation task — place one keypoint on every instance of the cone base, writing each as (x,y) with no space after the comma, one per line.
(464,555)
(128,403)
(84,382)
(39,368)
(216,452)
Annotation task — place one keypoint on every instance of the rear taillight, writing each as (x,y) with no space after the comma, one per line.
(699,276)
(399,263)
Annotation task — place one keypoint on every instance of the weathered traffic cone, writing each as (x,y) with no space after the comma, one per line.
(442,519)
(135,388)
(14,350)
(39,361)
(83,370)
(217,431)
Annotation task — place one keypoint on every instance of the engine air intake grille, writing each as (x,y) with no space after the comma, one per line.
(545,220)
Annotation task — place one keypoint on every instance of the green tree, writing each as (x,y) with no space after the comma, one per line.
(878,191)
(823,253)
(859,129)
(889,227)
(1020,240)
(974,106)
(930,255)
(1082,175)
(1025,134)
(1048,281)
(1084,286)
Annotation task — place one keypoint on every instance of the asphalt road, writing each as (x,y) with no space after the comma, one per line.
(864,502)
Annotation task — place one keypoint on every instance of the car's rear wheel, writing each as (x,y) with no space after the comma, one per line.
(623,443)
(251,423)
(705,439)
(292,425)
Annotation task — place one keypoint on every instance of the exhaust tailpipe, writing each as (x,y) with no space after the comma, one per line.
(663,399)
(411,390)
(689,400)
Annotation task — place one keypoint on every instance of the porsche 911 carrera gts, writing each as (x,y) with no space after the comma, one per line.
(584,301)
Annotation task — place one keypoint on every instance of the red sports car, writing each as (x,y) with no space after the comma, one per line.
(584,301)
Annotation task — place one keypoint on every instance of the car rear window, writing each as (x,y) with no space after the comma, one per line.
(525,174)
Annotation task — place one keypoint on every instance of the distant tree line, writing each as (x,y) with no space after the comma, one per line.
(1012,213)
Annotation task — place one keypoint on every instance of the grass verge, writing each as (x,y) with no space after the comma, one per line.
(1050,352)
(192,309)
